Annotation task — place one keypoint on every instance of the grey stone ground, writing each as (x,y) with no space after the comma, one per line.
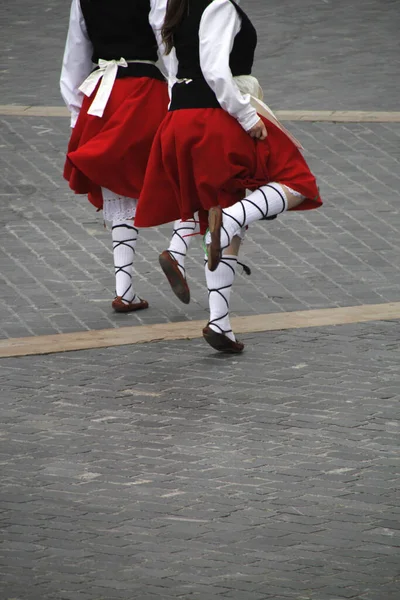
(55,255)
(163,471)
(313,54)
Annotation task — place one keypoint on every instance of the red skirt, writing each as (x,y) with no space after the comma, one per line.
(112,151)
(202,158)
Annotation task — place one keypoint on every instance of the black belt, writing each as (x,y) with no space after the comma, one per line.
(193,93)
(140,70)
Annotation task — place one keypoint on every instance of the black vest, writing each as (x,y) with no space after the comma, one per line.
(121,28)
(186,42)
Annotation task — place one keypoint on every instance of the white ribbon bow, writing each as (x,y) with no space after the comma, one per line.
(107,72)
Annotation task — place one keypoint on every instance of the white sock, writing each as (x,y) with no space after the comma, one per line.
(266,201)
(182,236)
(219,284)
(124,237)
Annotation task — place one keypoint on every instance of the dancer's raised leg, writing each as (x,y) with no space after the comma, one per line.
(267,201)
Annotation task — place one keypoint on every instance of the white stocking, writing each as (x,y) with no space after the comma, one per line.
(219,284)
(124,237)
(182,236)
(267,201)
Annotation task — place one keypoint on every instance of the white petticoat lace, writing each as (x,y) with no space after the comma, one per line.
(117,208)
(292,191)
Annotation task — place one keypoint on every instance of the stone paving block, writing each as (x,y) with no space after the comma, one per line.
(163,471)
(302,274)
(298,70)
(215,490)
(340,255)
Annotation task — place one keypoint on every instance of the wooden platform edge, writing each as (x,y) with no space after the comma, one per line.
(107,338)
(334,116)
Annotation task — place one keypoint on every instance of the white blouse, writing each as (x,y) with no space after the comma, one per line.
(219,25)
(77,62)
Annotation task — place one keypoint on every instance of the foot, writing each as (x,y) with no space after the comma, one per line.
(221,342)
(120,306)
(175,277)
(214,228)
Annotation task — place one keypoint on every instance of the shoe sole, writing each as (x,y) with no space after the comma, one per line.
(126,308)
(214,226)
(221,342)
(175,278)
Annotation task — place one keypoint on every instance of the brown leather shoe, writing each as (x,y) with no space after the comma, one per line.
(221,342)
(214,227)
(174,275)
(121,307)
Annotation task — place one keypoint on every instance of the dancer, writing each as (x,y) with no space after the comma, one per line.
(115,112)
(216,142)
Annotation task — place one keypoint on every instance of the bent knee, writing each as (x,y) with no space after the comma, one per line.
(293,198)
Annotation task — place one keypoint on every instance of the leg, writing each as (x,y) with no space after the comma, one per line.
(218,332)
(120,211)
(267,201)
(124,238)
(172,261)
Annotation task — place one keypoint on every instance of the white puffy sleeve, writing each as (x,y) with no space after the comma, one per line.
(156,19)
(77,62)
(219,25)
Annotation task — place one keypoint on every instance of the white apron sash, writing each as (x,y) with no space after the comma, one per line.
(107,72)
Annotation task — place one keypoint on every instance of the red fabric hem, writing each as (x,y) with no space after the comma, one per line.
(202,158)
(112,151)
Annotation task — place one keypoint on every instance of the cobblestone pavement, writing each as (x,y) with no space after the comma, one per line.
(164,471)
(56,262)
(312,54)
(161,471)
(55,258)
